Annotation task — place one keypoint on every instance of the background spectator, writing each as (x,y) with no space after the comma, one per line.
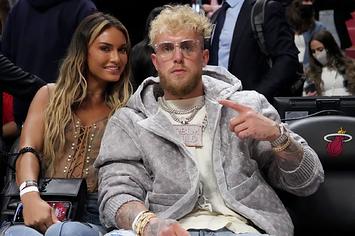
(18,83)
(36,37)
(330,72)
(211,7)
(300,15)
(340,12)
(142,66)
(239,52)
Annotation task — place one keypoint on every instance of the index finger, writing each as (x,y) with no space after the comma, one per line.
(233,105)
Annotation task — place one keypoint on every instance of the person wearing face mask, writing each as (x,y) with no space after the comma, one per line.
(330,72)
(300,15)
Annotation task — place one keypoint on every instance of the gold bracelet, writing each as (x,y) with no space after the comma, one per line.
(136,220)
(282,147)
(143,221)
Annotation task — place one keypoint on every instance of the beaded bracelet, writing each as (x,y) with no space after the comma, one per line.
(28,149)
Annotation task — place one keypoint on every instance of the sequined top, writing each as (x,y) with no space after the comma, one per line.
(80,151)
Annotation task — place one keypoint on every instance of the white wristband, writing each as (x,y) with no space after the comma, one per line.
(28,189)
(28,183)
(136,219)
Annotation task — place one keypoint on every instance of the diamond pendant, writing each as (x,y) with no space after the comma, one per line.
(190,134)
(184,121)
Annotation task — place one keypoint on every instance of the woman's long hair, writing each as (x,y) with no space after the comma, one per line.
(336,59)
(71,87)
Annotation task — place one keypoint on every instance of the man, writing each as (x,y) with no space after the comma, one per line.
(239,52)
(168,161)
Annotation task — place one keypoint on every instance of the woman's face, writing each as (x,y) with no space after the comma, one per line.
(316,46)
(107,56)
(319,52)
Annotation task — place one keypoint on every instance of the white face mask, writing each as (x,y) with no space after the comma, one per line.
(321,57)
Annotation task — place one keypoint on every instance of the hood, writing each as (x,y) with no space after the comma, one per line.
(218,83)
(44,4)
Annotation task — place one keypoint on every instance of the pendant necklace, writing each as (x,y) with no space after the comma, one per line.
(190,133)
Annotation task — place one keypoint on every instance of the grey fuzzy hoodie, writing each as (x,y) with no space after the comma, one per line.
(142,158)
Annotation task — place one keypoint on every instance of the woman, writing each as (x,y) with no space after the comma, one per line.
(66,122)
(330,72)
(300,15)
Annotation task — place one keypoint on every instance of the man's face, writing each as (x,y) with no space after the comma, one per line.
(179,59)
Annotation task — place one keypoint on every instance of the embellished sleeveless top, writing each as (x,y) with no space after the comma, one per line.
(80,151)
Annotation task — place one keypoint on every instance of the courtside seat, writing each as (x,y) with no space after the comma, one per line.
(331,210)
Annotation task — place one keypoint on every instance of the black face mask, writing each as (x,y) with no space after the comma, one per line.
(307,11)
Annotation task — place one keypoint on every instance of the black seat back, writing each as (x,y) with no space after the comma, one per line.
(331,210)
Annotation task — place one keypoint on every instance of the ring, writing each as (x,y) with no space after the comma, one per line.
(348,136)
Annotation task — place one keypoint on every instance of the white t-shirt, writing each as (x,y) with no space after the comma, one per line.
(212,213)
(301,46)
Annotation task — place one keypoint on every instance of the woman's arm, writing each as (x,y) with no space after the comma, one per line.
(37,213)
(27,165)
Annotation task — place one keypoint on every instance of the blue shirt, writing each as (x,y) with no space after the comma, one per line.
(225,39)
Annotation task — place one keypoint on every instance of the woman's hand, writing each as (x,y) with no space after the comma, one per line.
(37,213)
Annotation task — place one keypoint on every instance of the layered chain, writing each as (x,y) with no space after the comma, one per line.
(175,112)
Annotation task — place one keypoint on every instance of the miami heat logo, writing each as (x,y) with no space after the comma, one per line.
(336,142)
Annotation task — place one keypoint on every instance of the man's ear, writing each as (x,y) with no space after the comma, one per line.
(205,56)
(153,57)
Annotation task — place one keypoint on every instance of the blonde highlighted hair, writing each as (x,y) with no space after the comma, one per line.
(71,87)
(176,18)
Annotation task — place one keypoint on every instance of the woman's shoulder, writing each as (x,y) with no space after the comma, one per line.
(48,88)
(44,93)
